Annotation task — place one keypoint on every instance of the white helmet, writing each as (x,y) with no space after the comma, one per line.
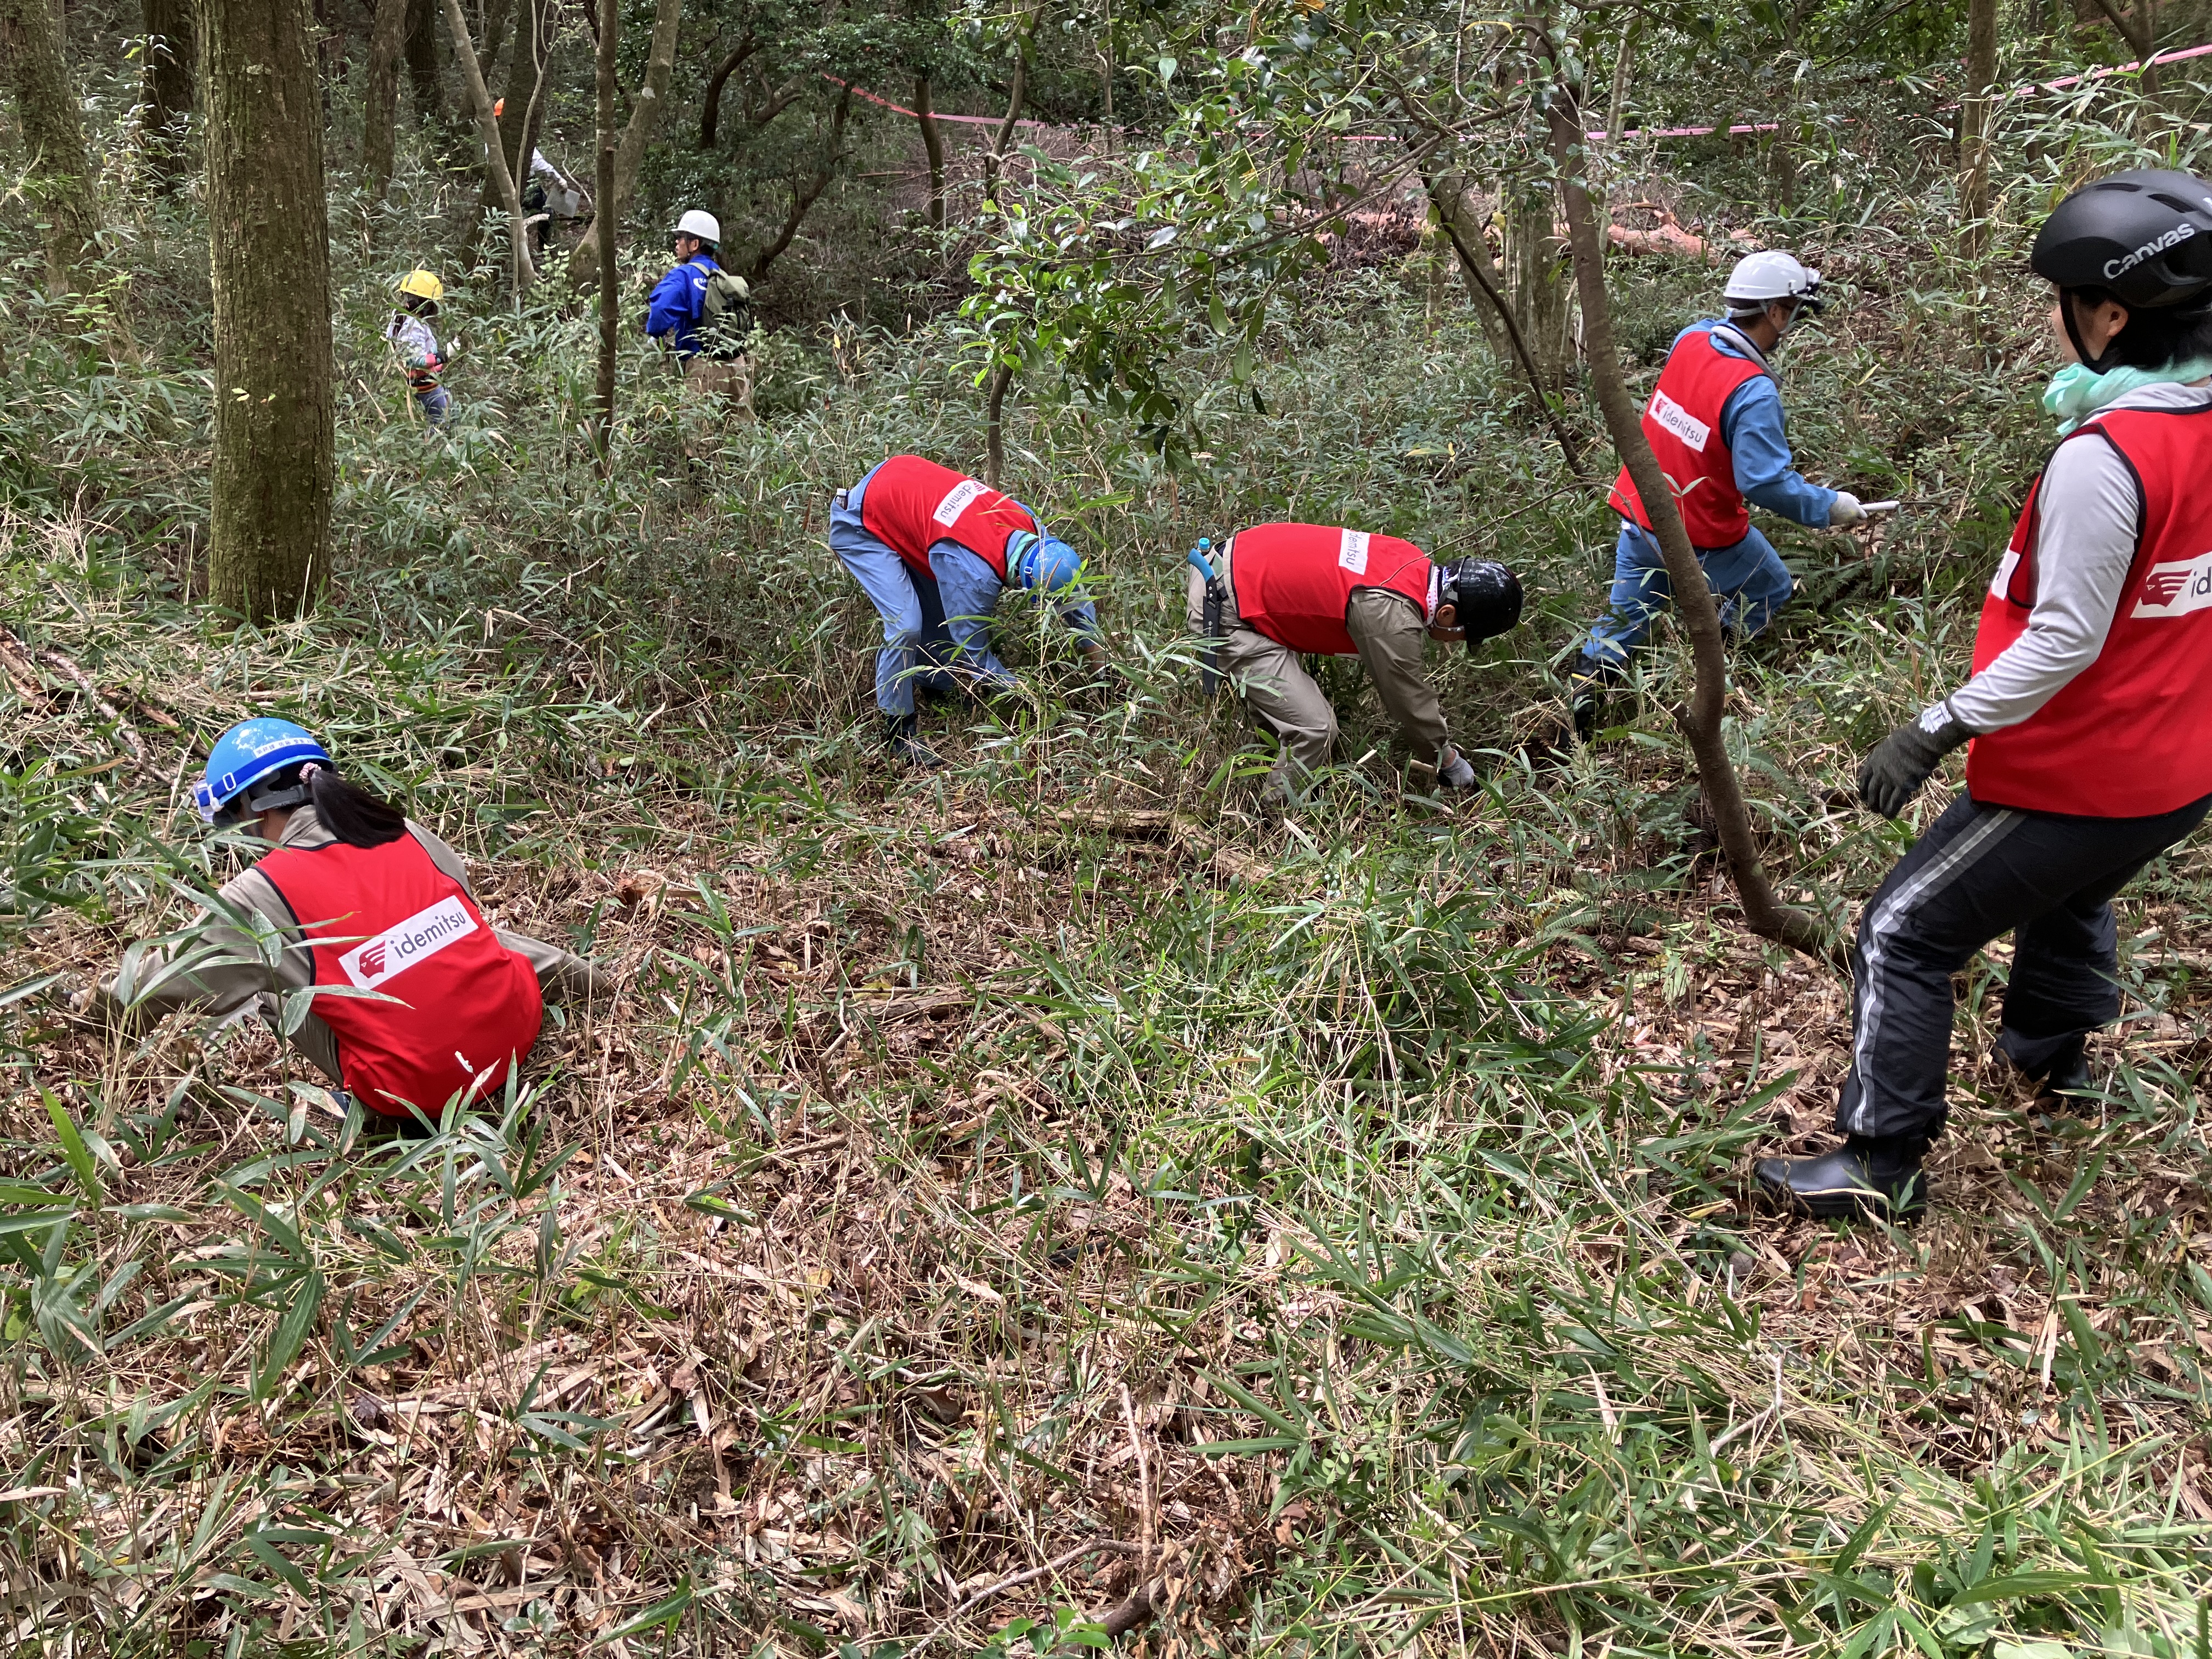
(1761,279)
(705,226)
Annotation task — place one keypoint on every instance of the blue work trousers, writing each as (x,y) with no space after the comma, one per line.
(1749,580)
(907,600)
(437,407)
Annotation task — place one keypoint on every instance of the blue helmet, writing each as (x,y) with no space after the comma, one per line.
(1042,564)
(249,752)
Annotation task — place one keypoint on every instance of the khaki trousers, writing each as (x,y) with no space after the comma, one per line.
(1274,685)
(706,380)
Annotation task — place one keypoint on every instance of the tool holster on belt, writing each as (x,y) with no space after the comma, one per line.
(1216,611)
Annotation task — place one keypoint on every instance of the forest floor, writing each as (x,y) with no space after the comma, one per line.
(1046,1201)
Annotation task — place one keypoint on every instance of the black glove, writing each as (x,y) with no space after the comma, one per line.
(1892,775)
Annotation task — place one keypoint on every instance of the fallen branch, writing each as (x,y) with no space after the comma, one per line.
(1059,1562)
(122,727)
(17,661)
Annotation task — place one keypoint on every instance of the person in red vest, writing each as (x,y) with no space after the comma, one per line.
(1277,589)
(434,1005)
(934,549)
(1715,422)
(2090,752)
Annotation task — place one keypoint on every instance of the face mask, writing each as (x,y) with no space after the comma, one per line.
(2077,392)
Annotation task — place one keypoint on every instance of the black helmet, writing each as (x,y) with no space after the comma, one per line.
(1486,595)
(2144,236)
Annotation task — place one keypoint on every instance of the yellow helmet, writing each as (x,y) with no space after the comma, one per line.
(422,285)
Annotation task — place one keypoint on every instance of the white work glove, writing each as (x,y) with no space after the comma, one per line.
(1846,511)
(1456,773)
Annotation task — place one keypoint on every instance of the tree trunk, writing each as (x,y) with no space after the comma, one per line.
(1535,264)
(1106,74)
(1449,194)
(584,264)
(488,134)
(171,69)
(524,73)
(994,158)
(932,146)
(1976,112)
(995,448)
(57,174)
(422,52)
(804,196)
(710,106)
(2139,32)
(268,222)
(602,228)
(1702,720)
(379,105)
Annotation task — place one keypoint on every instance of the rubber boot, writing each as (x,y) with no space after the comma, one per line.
(1587,688)
(1863,1178)
(2063,1082)
(899,737)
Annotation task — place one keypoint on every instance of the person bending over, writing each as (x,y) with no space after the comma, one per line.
(352,895)
(1277,590)
(2085,712)
(1715,423)
(932,549)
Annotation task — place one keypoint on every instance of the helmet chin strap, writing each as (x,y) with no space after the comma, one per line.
(2096,363)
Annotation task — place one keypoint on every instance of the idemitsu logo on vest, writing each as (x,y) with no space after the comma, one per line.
(1680,421)
(2176,589)
(396,949)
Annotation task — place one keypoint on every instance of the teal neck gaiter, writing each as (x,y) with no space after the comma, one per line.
(2076,391)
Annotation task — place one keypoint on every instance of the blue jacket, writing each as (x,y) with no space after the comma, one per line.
(678,302)
(1750,426)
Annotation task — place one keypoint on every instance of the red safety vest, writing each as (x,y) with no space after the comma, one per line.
(2127,737)
(1294,582)
(911,504)
(1683,422)
(386,919)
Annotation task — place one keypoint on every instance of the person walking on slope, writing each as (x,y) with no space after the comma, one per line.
(1277,590)
(414,346)
(702,314)
(1715,423)
(932,549)
(355,897)
(2085,712)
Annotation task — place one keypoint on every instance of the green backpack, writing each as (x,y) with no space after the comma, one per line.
(726,314)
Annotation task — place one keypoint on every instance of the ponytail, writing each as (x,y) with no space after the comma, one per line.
(350,811)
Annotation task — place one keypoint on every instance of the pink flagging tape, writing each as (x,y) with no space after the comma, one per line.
(1745,129)
(934,115)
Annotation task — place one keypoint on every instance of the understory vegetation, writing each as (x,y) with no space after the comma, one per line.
(996,1192)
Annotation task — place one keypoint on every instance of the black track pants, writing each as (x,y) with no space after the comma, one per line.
(2046,878)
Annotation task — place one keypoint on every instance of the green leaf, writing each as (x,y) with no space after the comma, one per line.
(10,1192)
(274,1559)
(291,1333)
(659,1614)
(74,1148)
(2028,1583)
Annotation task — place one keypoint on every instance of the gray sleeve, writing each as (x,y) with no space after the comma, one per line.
(224,962)
(2088,518)
(562,976)
(447,860)
(1388,629)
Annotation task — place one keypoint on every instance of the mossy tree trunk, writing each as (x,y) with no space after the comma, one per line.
(57,175)
(933,147)
(1976,111)
(380,103)
(268,223)
(171,69)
